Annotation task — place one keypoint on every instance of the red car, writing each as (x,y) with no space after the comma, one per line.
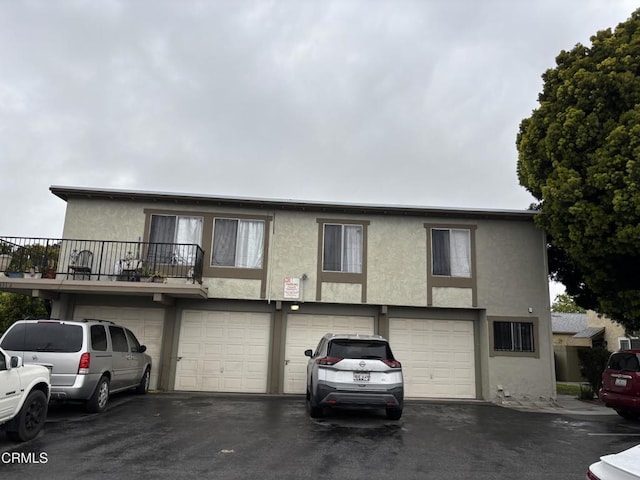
(621,383)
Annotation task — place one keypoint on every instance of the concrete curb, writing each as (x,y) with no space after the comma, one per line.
(563,404)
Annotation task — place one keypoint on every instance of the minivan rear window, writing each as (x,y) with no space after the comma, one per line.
(43,337)
(359,349)
(624,361)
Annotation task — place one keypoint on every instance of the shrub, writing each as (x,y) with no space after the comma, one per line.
(592,363)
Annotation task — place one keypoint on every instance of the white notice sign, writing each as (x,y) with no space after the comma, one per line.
(292,288)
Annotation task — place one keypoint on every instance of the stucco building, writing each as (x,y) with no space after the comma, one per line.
(249,284)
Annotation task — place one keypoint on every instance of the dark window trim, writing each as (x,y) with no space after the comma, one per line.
(342,277)
(502,353)
(207,244)
(455,282)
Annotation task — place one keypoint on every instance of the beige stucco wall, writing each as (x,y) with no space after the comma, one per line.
(511,270)
(397,261)
(104,220)
(612,331)
(568,339)
(512,281)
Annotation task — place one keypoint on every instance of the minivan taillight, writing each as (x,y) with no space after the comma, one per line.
(85,363)
(327,360)
(393,363)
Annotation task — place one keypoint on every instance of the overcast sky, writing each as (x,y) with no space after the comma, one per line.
(373,101)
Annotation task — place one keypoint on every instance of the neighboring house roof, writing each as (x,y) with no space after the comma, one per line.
(568,322)
(301,205)
(589,332)
(574,323)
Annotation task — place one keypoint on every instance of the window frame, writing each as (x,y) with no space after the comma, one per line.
(449,260)
(177,216)
(470,282)
(342,247)
(238,220)
(207,242)
(630,341)
(357,278)
(534,321)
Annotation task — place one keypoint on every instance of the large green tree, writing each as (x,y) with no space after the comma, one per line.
(579,155)
(14,306)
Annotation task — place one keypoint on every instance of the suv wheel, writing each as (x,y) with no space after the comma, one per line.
(31,418)
(143,386)
(394,413)
(314,411)
(98,401)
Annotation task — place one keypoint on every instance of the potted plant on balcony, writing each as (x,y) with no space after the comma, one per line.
(35,260)
(158,277)
(151,275)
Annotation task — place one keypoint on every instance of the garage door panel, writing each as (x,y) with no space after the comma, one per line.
(233,352)
(437,357)
(304,332)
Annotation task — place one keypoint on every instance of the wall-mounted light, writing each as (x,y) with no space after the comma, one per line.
(295,307)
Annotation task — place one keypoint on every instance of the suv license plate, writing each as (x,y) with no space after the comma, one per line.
(620,382)
(361,376)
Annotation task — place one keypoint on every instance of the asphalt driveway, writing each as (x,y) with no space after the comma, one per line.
(177,435)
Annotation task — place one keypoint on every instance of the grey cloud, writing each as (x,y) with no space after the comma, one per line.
(384,101)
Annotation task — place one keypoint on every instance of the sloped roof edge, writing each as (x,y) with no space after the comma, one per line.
(589,332)
(66,192)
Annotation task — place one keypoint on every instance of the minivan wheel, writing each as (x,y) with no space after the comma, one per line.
(628,415)
(143,386)
(31,418)
(394,413)
(98,401)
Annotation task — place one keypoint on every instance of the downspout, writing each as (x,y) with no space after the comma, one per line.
(272,242)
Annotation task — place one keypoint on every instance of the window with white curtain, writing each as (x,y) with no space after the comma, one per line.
(342,248)
(451,252)
(172,239)
(237,243)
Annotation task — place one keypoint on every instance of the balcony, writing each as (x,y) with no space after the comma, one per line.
(100,266)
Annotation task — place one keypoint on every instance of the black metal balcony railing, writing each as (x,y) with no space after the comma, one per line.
(99,259)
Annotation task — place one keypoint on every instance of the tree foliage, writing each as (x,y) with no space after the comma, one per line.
(14,307)
(564,303)
(579,155)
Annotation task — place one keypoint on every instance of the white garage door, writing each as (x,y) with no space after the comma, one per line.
(437,357)
(145,323)
(223,352)
(304,332)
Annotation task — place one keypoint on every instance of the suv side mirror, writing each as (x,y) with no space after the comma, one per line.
(142,349)
(16,362)
(308,353)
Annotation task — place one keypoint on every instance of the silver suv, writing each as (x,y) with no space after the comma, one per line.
(354,371)
(88,359)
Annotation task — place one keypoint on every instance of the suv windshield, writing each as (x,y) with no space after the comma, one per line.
(624,361)
(43,337)
(343,348)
